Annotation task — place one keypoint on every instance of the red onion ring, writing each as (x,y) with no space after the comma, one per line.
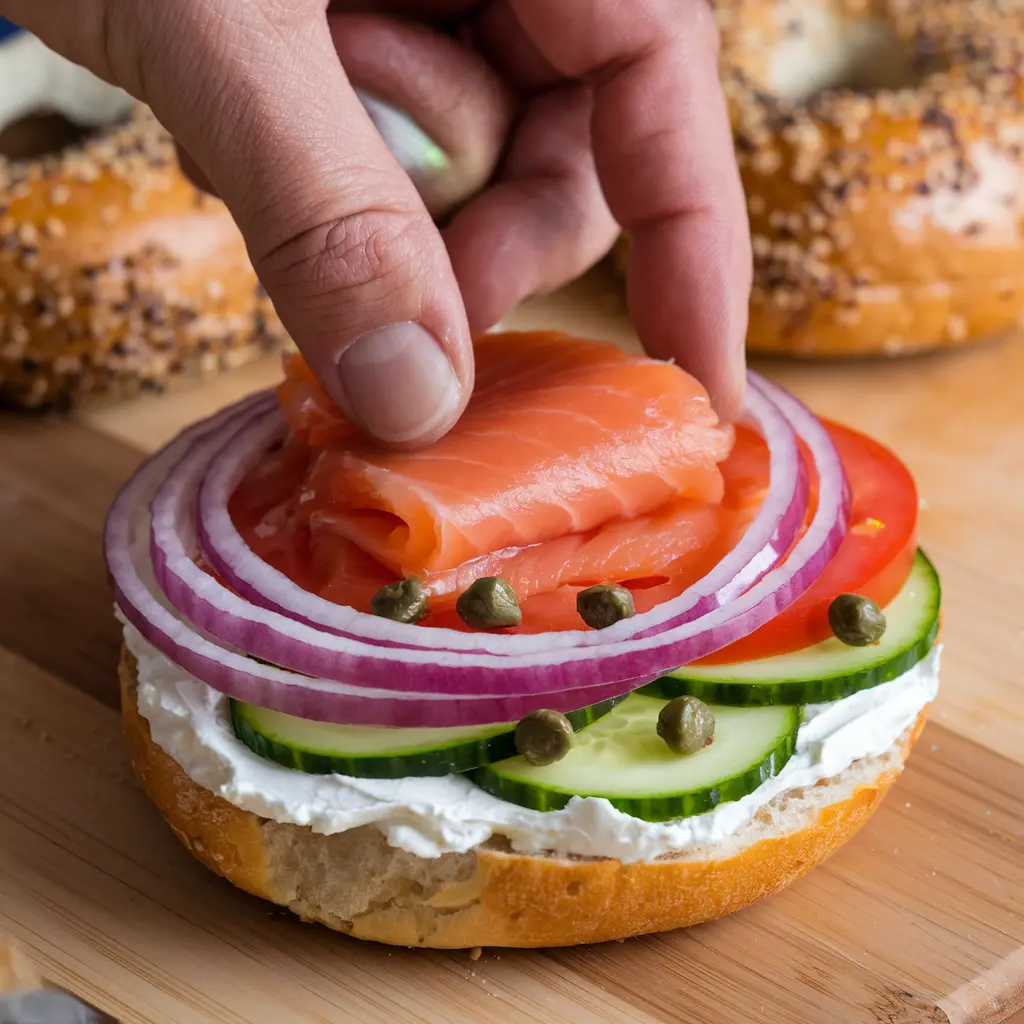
(560,679)
(142,606)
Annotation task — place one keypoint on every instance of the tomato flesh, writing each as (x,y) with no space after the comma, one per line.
(873,560)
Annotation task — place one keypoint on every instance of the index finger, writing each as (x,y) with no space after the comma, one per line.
(664,153)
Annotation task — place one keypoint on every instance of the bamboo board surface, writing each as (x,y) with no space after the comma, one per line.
(920,918)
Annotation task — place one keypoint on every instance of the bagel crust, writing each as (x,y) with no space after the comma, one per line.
(117,275)
(355,883)
(884,177)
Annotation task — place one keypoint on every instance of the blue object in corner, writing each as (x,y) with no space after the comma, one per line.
(7,29)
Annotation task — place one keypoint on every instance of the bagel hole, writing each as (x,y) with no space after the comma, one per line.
(40,135)
(825,53)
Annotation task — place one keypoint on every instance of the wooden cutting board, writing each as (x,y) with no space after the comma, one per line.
(920,918)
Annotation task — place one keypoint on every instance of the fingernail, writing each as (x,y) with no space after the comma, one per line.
(426,163)
(398,384)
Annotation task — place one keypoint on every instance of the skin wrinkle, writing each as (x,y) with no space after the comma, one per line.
(226,33)
(365,234)
(662,144)
(321,138)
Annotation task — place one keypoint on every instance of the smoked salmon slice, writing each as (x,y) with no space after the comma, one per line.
(575,463)
(559,437)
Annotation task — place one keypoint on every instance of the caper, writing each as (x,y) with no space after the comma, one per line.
(490,603)
(856,621)
(544,737)
(686,725)
(405,601)
(605,604)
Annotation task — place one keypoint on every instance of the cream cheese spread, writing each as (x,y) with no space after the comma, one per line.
(432,816)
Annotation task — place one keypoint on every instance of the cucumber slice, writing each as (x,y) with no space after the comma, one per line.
(827,671)
(322,748)
(622,759)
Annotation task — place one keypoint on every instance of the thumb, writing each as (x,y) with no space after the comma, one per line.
(336,230)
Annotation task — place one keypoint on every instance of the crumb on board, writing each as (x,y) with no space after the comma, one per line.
(475,953)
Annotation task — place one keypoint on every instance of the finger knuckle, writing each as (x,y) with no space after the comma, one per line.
(344,254)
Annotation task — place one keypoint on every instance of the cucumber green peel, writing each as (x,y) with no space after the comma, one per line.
(622,759)
(827,671)
(321,748)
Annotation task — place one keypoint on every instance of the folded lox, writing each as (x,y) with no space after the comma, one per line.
(558,438)
(574,463)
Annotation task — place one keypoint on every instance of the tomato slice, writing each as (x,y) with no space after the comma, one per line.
(874,559)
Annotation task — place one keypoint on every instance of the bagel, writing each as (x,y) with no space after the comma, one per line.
(116,274)
(354,882)
(881,147)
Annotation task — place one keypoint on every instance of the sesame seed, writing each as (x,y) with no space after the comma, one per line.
(956,326)
(821,247)
(767,161)
(66,365)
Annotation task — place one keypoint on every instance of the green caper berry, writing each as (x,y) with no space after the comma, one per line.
(605,604)
(686,725)
(490,603)
(544,737)
(405,601)
(856,621)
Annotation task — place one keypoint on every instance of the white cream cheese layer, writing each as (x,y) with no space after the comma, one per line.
(432,816)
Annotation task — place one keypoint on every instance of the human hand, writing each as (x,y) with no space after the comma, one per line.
(593,113)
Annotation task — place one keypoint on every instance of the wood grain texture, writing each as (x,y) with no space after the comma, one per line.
(919,919)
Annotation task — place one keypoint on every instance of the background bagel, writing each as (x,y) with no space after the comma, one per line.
(116,274)
(354,882)
(881,145)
